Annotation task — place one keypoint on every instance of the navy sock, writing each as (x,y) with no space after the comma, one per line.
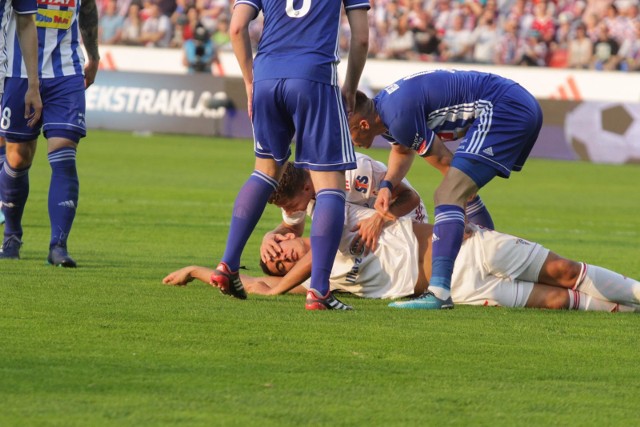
(14,191)
(247,210)
(326,232)
(477,213)
(448,232)
(63,194)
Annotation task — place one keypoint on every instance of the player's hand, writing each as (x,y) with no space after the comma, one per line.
(270,247)
(32,106)
(179,277)
(369,231)
(383,201)
(90,71)
(258,287)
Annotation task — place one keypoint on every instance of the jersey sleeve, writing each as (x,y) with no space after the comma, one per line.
(24,7)
(256,4)
(356,4)
(360,183)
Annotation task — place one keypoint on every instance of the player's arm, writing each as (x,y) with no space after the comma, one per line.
(404,200)
(241,43)
(438,155)
(400,161)
(28,39)
(358,51)
(187,274)
(89,30)
(270,247)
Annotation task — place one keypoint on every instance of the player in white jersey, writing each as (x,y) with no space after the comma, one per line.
(64,76)
(295,196)
(493,269)
(22,13)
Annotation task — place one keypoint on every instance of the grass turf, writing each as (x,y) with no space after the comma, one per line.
(108,344)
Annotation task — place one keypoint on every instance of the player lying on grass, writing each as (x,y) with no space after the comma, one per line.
(492,269)
(295,196)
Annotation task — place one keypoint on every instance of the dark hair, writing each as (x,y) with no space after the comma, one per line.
(291,183)
(362,102)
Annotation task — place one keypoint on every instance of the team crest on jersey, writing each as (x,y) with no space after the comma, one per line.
(362,184)
(54,18)
(391,88)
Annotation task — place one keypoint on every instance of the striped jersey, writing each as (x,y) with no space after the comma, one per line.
(59,50)
(7,7)
(300,39)
(443,103)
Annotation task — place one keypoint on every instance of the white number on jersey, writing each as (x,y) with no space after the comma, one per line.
(298,13)
(6,118)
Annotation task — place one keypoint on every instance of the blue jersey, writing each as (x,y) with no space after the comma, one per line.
(7,7)
(496,120)
(300,38)
(59,50)
(444,103)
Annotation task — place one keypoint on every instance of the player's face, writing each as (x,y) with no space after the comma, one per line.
(291,252)
(296,203)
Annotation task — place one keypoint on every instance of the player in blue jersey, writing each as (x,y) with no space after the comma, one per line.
(292,87)
(497,121)
(64,75)
(22,12)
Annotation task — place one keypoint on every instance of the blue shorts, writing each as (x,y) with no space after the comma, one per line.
(63,101)
(314,112)
(503,135)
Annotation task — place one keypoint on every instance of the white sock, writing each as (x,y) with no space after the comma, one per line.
(607,285)
(440,293)
(584,302)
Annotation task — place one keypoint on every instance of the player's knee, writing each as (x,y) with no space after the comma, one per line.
(19,159)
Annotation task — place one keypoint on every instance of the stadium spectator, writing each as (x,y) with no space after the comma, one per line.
(220,36)
(580,49)
(494,142)
(605,51)
(533,51)
(110,24)
(400,44)
(508,47)
(156,29)
(456,45)
(494,269)
(630,51)
(485,39)
(312,100)
(63,80)
(131,33)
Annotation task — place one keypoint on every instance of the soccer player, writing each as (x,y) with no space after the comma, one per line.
(22,12)
(64,77)
(292,87)
(492,269)
(295,196)
(498,122)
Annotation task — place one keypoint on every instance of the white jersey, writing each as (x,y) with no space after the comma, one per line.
(7,9)
(389,272)
(59,48)
(492,268)
(361,184)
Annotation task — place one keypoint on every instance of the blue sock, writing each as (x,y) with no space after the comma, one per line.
(477,213)
(326,232)
(63,194)
(247,210)
(14,191)
(448,231)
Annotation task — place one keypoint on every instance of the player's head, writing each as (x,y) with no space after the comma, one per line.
(294,191)
(293,249)
(362,121)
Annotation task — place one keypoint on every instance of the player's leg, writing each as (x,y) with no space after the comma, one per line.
(323,145)
(64,190)
(63,125)
(590,279)
(273,131)
(14,192)
(544,296)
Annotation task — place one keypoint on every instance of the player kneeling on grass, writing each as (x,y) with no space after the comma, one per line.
(493,269)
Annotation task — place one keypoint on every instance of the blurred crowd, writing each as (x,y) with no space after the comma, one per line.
(585,34)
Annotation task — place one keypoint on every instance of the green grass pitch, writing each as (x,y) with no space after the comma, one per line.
(108,344)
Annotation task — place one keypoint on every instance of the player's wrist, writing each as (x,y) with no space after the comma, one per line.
(386,184)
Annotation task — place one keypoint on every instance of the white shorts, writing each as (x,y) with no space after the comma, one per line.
(494,268)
